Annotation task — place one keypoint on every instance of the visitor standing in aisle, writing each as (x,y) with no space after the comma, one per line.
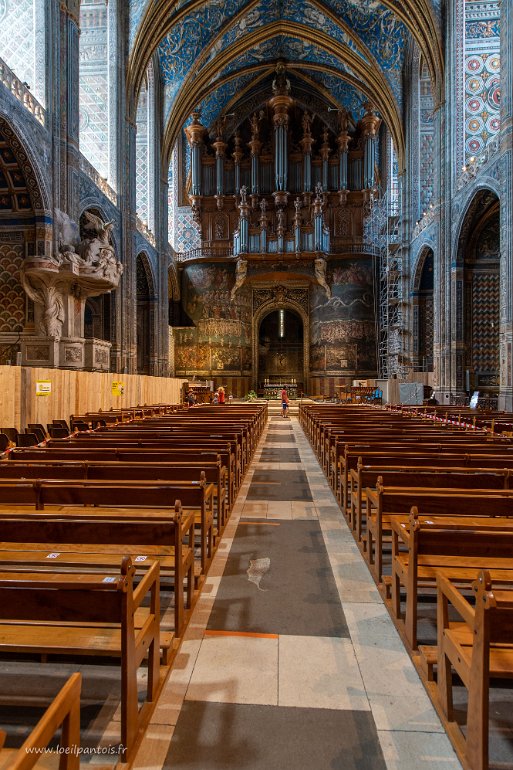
(284,402)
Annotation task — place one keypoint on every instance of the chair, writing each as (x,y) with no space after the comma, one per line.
(33,425)
(11,434)
(79,425)
(61,424)
(57,431)
(37,431)
(26,440)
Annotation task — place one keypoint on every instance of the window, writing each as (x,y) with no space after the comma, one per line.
(22,42)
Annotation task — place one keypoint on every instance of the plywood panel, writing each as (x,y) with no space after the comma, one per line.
(75,393)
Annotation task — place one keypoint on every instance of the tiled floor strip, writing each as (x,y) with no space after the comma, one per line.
(248,695)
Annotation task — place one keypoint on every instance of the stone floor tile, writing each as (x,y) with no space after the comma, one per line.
(405,713)
(328,676)
(422,751)
(236,669)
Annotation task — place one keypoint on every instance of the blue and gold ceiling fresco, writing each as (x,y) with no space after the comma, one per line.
(354,49)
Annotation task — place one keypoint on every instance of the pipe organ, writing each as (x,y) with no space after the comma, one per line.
(284,181)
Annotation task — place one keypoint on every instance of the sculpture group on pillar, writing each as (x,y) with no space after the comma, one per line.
(60,285)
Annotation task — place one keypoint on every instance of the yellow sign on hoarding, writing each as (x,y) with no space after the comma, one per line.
(43,387)
(118,388)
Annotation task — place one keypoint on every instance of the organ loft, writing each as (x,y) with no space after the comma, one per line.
(280,194)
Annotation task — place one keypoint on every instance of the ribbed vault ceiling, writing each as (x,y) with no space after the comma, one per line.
(213,53)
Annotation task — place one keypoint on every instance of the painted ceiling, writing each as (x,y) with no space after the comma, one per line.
(209,50)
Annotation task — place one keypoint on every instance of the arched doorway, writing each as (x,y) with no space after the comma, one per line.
(423,316)
(281,348)
(479,257)
(144,317)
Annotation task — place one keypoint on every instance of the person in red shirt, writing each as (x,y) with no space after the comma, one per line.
(221,395)
(284,402)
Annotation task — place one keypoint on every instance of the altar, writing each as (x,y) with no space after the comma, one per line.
(272,390)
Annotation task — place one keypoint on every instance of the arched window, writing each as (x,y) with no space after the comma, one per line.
(23,44)
(145,154)
(482,67)
(98,86)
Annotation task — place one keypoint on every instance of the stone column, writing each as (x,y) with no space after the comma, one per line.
(65,108)
(506,210)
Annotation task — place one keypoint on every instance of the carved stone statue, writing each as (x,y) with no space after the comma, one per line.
(243,194)
(93,248)
(50,297)
(241,272)
(307,123)
(320,275)
(255,125)
(68,233)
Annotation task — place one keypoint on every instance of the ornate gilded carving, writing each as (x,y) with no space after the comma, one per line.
(280,294)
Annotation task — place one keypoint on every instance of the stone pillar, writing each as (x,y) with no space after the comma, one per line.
(370,124)
(506,210)
(66,110)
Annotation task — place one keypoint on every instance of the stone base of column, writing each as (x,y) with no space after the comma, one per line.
(67,353)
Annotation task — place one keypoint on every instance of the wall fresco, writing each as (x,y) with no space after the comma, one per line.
(342,329)
(219,339)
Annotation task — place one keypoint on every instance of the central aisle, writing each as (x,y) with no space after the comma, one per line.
(290,659)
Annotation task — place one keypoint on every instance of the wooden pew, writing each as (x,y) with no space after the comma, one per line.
(207,472)
(366,477)
(87,614)
(80,538)
(478,647)
(198,445)
(130,455)
(197,498)
(459,545)
(384,503)
(63,712)
(455,454)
